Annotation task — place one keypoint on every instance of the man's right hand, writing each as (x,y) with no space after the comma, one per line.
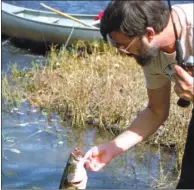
(99,156)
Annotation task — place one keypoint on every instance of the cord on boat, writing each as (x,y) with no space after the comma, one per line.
(45,41)
(69,37)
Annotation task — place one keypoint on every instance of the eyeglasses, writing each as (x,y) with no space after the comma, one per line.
(126,49)
(121,49)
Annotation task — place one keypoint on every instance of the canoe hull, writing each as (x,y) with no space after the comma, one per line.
(16,26)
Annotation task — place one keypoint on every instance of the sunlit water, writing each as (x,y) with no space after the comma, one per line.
(35,146)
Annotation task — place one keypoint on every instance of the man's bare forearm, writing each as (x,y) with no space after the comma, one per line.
(142,127)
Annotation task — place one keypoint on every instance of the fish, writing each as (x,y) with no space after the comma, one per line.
(74,174)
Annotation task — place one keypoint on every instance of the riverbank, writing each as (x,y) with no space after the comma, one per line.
(104,89)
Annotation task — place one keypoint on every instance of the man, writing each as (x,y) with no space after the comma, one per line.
(144,30)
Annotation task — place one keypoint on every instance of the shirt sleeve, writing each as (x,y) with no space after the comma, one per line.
(154,79)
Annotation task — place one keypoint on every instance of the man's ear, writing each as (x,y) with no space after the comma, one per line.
(150,33)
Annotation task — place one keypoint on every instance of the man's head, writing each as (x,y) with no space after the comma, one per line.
(133,25)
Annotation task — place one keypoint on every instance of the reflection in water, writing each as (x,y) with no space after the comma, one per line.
(36,146)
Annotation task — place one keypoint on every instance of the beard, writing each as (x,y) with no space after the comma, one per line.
(146,55)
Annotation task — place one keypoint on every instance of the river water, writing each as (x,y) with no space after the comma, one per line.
(35,145)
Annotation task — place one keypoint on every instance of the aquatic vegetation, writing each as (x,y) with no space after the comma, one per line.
(11,96)
(165,179)
(95,86)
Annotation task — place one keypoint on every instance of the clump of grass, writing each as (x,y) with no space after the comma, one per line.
(103,89)
(11,97)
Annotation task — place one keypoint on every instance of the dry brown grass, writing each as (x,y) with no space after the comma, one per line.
(103,89)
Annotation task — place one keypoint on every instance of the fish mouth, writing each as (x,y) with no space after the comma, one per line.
(79,182)
(77,154)
(76,182)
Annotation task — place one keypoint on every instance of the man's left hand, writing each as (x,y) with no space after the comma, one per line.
(184,84)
